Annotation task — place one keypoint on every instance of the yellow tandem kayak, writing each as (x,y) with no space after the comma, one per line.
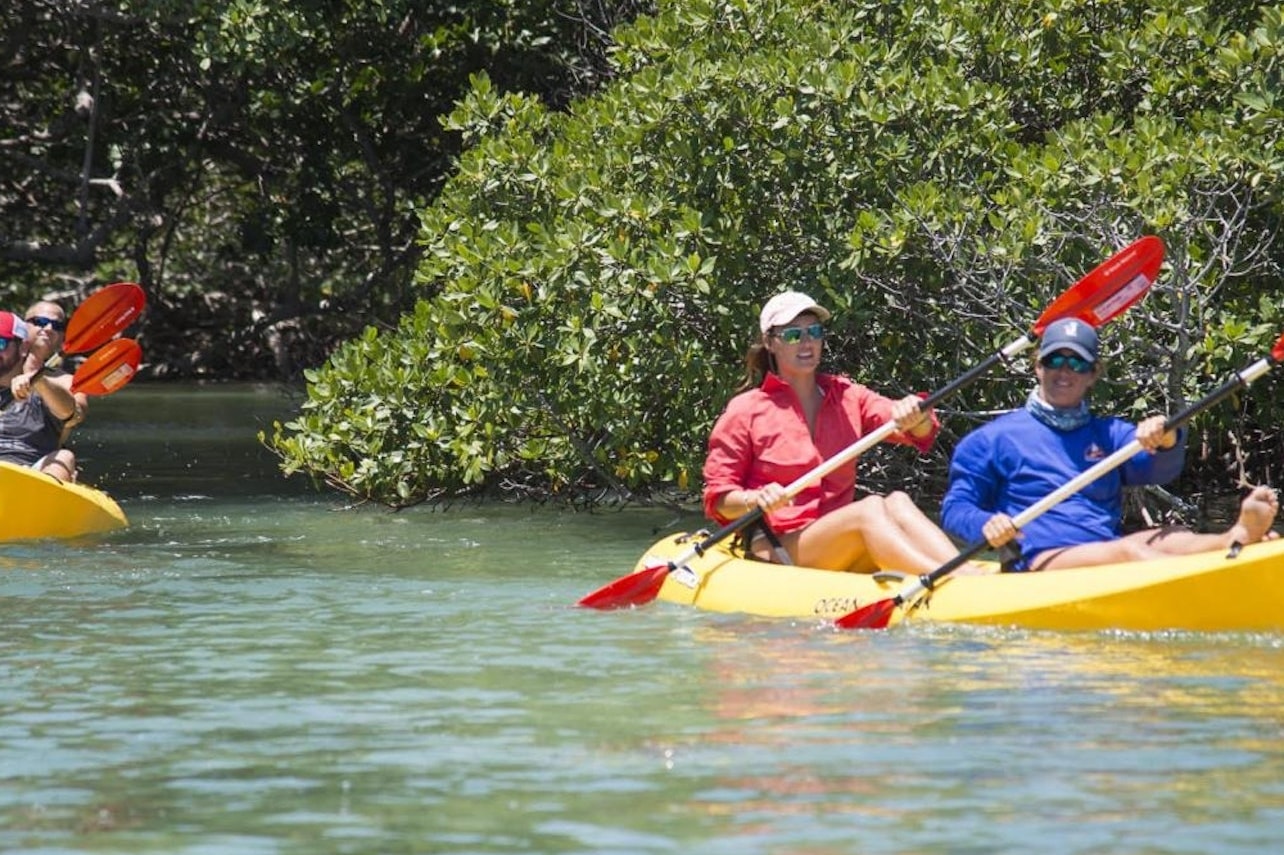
(36,506)
(1207,592)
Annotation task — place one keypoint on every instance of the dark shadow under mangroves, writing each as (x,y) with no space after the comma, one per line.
(183,439)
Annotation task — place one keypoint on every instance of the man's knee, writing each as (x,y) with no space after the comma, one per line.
(61,465)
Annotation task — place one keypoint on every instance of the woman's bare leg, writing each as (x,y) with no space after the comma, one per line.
(917,527)
(862,537)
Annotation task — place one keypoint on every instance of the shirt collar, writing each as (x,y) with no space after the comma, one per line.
(773,384)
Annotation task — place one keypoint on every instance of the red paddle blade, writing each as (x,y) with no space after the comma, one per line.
(1110,287)
(104,315)
(1277,352)
(873,616)
(636,589)
(108,369)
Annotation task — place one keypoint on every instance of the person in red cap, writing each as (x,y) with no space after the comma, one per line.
(788,418)
(1013,462)
(36,406)
(13,333)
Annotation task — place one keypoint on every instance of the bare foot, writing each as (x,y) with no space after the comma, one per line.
(1256,514)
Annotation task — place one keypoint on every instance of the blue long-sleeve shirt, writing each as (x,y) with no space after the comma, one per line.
(1015,461)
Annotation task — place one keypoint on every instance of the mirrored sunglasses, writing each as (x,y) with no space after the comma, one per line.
(5,342)
(1077,364)
(793,335)
(42,321)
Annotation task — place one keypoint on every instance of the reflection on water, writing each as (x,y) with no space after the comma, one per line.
(990,732)
(249,669)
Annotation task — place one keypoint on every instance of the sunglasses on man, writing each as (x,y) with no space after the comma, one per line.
(42,321)
(1077,364)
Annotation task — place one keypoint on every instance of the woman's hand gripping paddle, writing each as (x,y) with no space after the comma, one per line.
(878,615)
(1105,292)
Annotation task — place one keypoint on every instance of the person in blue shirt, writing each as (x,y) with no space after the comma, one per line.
(1011,463)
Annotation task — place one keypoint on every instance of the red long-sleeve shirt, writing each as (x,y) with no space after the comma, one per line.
(762,437)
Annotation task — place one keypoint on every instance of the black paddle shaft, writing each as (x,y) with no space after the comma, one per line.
(970,376)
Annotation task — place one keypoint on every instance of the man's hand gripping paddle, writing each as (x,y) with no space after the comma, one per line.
(1103,294)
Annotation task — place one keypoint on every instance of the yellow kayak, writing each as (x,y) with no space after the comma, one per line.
(1207,592)
(34,506)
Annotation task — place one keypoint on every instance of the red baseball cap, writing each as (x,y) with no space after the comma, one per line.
(12,326)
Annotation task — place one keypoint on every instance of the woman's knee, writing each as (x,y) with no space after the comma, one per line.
(899,502)
(862,513)
(902,508)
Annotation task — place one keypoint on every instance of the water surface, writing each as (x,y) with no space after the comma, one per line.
(250,668)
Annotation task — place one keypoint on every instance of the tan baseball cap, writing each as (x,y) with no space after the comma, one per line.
(783,308)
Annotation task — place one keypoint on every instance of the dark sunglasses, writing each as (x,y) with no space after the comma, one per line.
(1077,364)
(42,321)
(793,335)
(5,342)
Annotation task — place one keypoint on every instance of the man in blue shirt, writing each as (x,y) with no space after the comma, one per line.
(1008,465)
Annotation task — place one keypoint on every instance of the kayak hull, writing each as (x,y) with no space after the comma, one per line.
(1205,592)
(35,506)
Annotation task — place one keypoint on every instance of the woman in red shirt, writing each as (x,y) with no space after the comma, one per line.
(787,419)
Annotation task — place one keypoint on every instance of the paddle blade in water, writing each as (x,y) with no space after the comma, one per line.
(874,616)
(109,368)
(636,589)
(104,315)
(1111,287)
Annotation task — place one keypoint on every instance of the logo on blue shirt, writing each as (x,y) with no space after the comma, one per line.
(1093,452)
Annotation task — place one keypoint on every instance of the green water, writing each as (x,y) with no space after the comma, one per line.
(251,669)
